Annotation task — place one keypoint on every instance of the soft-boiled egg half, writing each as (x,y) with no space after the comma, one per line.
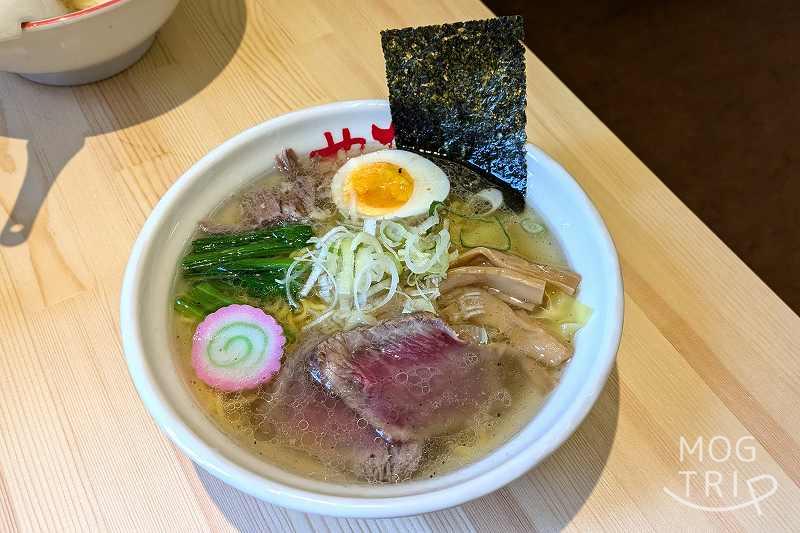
(388,184)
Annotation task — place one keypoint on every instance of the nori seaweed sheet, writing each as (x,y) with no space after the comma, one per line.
(458,90)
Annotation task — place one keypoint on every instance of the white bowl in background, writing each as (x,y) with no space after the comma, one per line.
(146,305)
(88,45)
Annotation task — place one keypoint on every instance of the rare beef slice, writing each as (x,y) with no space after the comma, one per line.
(305,416)
(410,377)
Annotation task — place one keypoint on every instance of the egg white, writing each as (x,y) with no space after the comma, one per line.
(430,183)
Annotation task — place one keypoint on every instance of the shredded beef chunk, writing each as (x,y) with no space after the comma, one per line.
(292,200)
(411,377)
(287,163)
(298,411)
(263,207)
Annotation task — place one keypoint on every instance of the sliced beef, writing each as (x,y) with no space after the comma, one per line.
(411,377)
(293,199)
(300,413)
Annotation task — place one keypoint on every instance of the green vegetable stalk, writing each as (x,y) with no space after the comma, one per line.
(211,252)
(295,235)
(229,269)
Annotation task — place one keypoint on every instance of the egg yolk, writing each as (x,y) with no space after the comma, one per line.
(380,187)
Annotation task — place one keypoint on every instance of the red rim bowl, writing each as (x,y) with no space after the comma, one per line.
(70,16)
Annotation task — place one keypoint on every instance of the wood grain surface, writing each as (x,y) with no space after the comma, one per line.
(707,351)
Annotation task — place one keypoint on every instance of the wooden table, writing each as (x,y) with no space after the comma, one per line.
(708,350)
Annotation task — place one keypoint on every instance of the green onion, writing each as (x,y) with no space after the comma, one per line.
(434,207)
(531,227)
(495,220)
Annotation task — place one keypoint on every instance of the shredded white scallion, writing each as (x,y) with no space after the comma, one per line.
(370,226)
(356,271)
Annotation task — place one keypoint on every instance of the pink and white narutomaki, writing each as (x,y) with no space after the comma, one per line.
(237,348)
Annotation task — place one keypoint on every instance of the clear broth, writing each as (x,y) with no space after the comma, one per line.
(514,405)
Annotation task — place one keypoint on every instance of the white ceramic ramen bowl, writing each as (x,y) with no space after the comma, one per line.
(146,305)
(85,46)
